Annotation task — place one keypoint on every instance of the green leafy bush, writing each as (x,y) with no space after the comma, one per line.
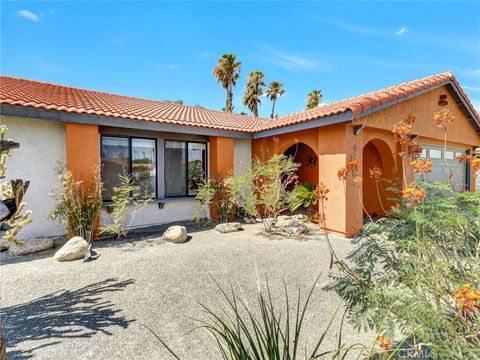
(418,270)
(263,190)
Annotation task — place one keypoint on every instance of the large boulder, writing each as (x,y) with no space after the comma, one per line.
(176,234)
(74,249)
(30,246)
(228,227)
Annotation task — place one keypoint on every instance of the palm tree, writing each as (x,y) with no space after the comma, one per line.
(227,72)
(251,97)
(275,89)
(314,99)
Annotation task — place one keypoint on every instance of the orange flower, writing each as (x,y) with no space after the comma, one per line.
(422,166)
(414,195)
(410,119)
(473,160)
(443,118)
(352,165)
(342,173)
(414,149)
(401,132)
(375,173)
(321,192)
(385,343)
(467,297)
(357,180)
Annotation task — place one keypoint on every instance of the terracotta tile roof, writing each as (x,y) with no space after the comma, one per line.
(362,103)
(41,95)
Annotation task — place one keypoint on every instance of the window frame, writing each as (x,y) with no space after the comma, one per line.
(130,138)
(204,160)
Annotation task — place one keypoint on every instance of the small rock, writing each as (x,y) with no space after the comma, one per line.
(228,227)
(4,245)
(74,249)
(176,234)
(249,220)
(30,246)
(296,227)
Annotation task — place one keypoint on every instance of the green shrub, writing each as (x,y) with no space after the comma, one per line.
(121,200)
(409,270)
(263,190)
(77,205)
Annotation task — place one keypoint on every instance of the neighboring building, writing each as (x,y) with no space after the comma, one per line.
(168,147)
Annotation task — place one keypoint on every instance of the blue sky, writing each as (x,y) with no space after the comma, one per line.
(161,50)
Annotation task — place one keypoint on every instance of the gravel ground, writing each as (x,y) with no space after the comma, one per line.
(95,310)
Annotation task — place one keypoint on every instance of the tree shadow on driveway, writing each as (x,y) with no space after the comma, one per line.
(61,315)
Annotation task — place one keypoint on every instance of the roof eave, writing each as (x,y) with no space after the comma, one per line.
(305,125)
(457,94)
(63,116)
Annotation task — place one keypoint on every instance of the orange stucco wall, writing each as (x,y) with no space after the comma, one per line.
(460,133)
(336,144)
(333,148)
(83,150)
(221,156)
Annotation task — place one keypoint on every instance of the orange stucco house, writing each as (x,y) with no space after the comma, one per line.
(163,143)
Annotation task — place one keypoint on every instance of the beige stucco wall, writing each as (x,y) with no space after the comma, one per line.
(42,145)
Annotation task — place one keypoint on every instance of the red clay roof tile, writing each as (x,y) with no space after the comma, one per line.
(41,95)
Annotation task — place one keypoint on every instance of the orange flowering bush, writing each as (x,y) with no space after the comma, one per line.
(321,192)
(402,132)
(467,298)
(351,167)
(473,160)
(404,271)
(443,118)
(413,195)
(414,149)
(385,343)
(375,173)
(421,166)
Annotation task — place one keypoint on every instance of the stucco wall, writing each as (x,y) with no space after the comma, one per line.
(242,155)
(173,210)
(460,133)
(42,145)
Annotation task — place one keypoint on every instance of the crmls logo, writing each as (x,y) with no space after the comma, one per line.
(416,354)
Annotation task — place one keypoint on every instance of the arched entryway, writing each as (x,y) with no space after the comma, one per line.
(376,197)
(308,160)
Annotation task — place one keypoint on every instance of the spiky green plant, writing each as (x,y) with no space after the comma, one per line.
(270,331)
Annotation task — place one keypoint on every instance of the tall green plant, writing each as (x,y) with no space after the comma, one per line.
(121,201)
(264,188)
(78,205)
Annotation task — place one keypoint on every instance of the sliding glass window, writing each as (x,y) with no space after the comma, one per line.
(127,155)
(185,167)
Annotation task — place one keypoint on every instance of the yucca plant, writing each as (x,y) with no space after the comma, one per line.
(268,332)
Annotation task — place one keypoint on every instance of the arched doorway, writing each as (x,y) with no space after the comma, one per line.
(308,160)
(376,197)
